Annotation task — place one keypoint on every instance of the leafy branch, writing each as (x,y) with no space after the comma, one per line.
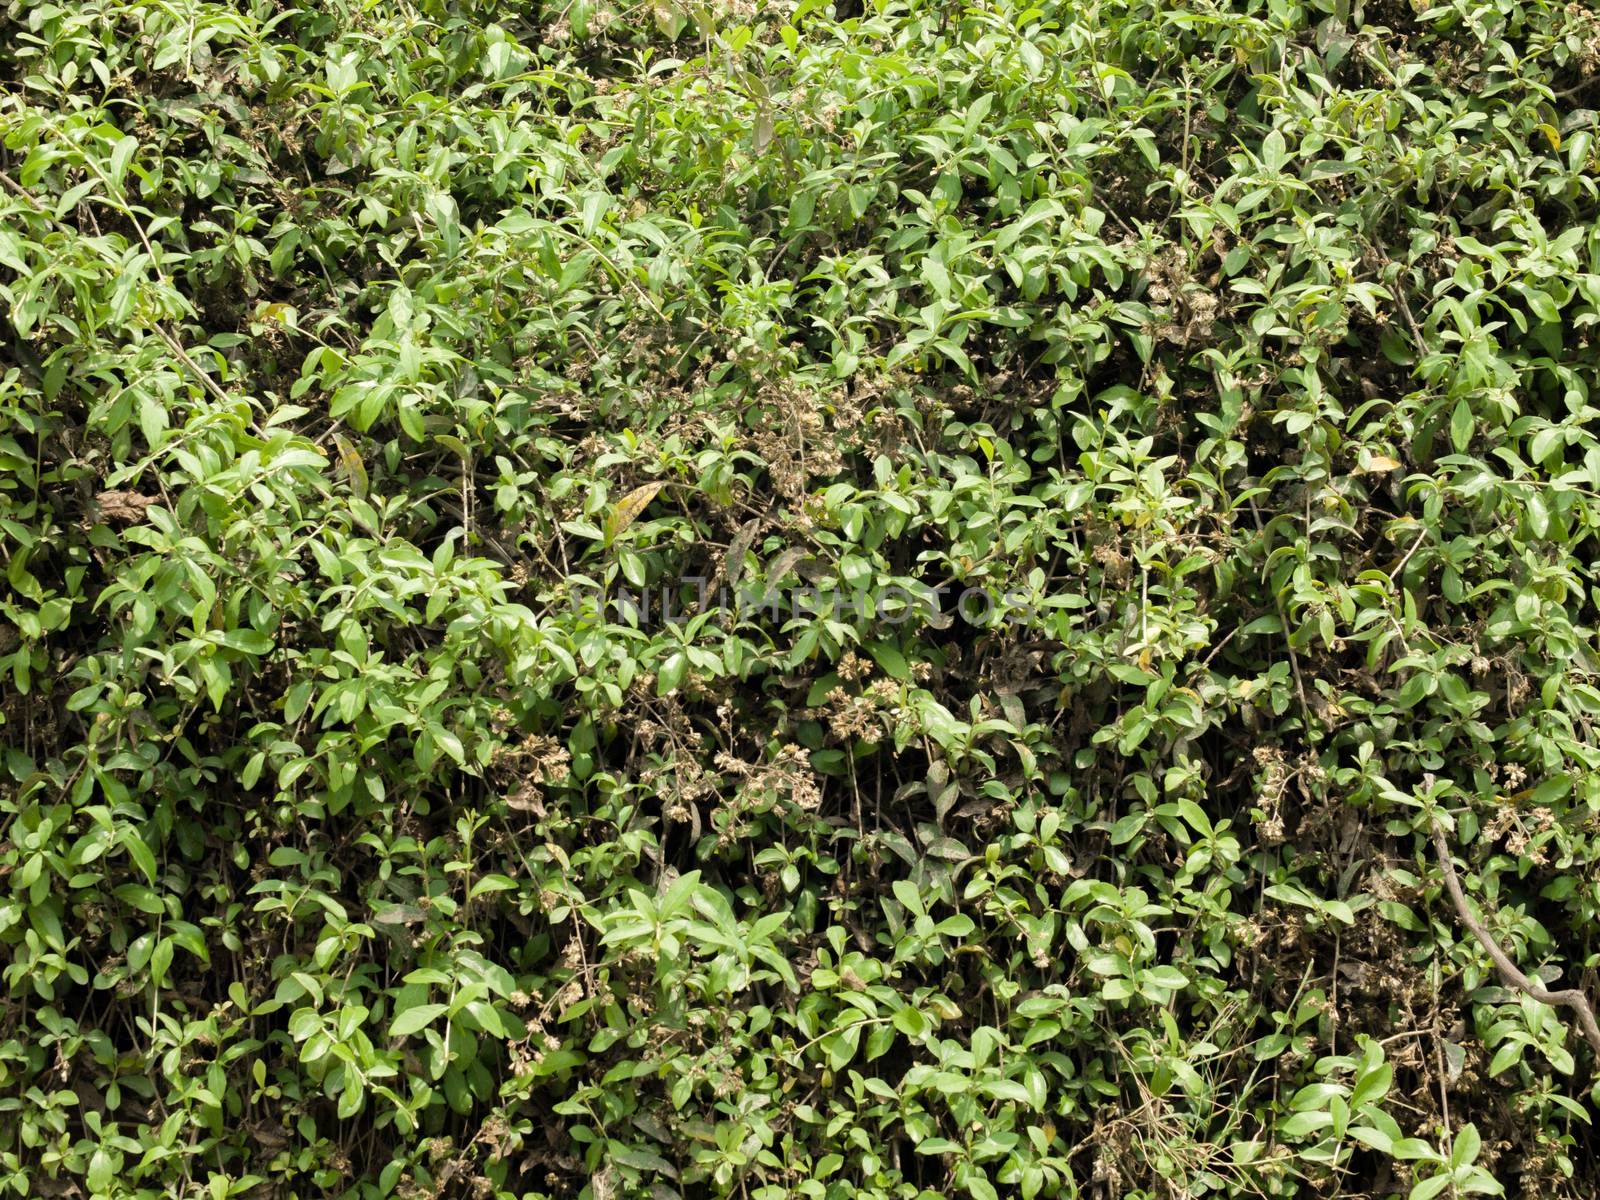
(1510,973)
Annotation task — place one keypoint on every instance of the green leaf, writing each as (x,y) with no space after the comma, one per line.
(417,1017)
(1461,427)
(672,673)
(1508,1055)
(910,1022)
(890,659)
(1464,1149)
(1165,977)
(842,1046)
(140,853)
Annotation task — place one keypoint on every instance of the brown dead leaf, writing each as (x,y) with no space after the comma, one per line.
(123,508)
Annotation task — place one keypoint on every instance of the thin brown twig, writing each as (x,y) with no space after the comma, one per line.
(1394,571)
(1411,321)
(182,356)
(1510,973)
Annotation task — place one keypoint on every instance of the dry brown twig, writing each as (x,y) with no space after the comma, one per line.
(1509,972)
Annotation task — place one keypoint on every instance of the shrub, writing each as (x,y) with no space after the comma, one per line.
(850,601)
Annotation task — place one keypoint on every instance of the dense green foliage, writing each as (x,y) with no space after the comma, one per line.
(1232,360)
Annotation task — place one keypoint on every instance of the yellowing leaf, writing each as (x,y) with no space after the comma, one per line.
(631,505)
(276,310)
(353,466)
